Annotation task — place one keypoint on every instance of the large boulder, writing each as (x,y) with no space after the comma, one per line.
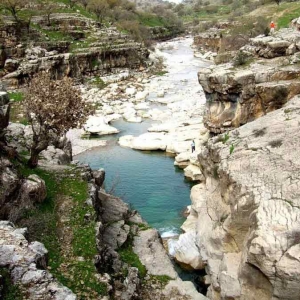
(33,189)
(24,261)
(146,141)
(98,125)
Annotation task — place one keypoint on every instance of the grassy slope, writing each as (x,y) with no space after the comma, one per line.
(70,260)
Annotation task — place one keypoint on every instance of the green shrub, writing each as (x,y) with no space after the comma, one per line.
(240,59)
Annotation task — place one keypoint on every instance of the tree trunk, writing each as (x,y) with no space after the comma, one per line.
(36,148)
(33,160)
(48,19)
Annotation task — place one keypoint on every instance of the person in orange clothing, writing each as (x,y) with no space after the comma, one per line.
(272,27)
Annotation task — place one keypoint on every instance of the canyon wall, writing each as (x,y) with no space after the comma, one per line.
(243,225)
(245,214)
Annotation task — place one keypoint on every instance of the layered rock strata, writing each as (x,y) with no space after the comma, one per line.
(244,219)
(209,41)
(237,95)
(90,51)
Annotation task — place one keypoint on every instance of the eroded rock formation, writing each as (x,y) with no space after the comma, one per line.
(237,95)
(245,214)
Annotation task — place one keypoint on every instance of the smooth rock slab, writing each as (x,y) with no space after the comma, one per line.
(146,142)
(152,254)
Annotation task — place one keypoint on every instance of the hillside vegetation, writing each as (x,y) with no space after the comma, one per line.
(204,14)
(122,13)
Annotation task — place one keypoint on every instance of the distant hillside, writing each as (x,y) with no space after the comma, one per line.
(146,4)
(207,2)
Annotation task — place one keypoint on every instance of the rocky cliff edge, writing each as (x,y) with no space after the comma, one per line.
(245,214)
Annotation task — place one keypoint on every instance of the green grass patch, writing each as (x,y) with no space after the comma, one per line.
(225,138)
(143,226)
(53,35)
(164,279)
(16,114)
(284,21)
(24,153)
(16,96)
(16,108)
(151,20)
(161,73)
(95,63)
(128,256)
(10,291)
(97,82)
(74,9)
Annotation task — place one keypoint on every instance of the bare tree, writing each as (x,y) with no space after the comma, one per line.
(13,6)
(50,9)
(99,7)
(52,108)
(84,3)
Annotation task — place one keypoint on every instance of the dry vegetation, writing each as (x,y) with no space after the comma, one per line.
(52,108)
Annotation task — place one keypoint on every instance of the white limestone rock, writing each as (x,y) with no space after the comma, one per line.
(248,210)
(141,96)
(131,91)
(98,125)
(186,251)
(193,173)
(21,258)
(149,142)
(134,119)
(182,160)
(126,141)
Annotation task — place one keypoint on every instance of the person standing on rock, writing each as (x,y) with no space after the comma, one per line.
(193,146)
(272,28)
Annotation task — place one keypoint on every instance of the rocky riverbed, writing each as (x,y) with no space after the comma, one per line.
(174,101)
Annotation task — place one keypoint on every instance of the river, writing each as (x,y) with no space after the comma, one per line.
(148,180)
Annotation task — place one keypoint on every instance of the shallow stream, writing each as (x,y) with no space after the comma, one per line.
(147,180)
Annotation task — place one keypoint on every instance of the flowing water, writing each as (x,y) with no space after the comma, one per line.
(149,181)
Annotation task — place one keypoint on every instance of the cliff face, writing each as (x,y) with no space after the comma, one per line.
(239,94)
(84,49)
(245,214)
(243,226)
